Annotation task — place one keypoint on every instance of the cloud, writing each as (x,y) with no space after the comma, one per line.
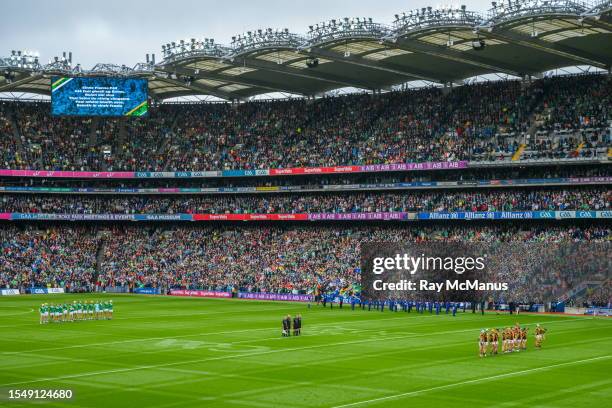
(122,31)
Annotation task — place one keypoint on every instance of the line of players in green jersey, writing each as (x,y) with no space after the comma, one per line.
(75,311)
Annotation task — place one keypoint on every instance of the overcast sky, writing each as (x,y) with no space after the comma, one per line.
(123,31)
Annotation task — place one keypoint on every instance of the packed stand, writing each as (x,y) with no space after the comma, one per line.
(290,259)
(472,122)
(555,199)
(574,103)
(55,257)
(305,259)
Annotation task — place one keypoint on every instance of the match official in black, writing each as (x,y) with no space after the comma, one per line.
(287,326)
(296,326)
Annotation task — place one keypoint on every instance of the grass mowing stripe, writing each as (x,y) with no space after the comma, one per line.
(183,336)
(220,353)
(248,330)
(121,370)
(476,380)
(211,375)
(565,391)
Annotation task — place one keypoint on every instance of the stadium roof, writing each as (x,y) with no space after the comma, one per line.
(523,37)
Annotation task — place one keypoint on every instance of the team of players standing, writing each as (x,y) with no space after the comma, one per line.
(512,338)
(75,311)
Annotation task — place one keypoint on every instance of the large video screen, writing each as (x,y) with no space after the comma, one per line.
(99,96)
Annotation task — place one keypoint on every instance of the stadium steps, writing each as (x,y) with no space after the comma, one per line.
(578,293)
(165,144)
(533,126)
(121,135)
(16,134)
(163,148)
(102,236)
(534,120)
(93,132)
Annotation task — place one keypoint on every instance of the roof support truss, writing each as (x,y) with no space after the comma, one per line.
(308,73)
(218,75)
(535,43)
(22,81)
(487,64)
(198,89)
(409,74)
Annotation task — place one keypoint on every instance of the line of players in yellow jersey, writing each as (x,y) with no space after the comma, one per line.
(513,339)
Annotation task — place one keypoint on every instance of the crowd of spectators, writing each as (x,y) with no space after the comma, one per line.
(553,271)
(569,103)
(56,257)
(537,261)
(473,122)
(600,296)
(551,199)
(80,143)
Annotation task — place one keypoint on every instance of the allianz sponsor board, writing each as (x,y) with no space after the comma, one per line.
(513,215)
(9,292)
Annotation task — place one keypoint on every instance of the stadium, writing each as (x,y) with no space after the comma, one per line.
(414,211)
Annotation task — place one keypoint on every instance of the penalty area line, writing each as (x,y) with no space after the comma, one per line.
(476,380)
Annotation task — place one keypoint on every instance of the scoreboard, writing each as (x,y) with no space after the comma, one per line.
(99,96)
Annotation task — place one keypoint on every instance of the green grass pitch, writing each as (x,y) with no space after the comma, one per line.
(187,352)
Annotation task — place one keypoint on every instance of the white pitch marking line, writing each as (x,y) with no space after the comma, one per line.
(476,380)
(241,331)
(142,339)
(154,366)
(146,367)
